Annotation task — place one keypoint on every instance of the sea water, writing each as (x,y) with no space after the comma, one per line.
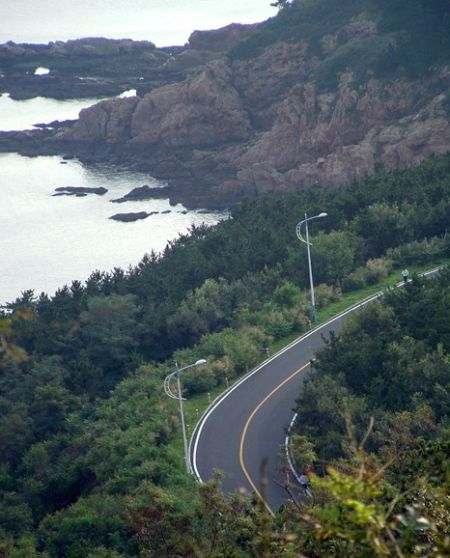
(164,22)
(47,241)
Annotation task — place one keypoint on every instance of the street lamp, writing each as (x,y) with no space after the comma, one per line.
(170,394)
(298,230)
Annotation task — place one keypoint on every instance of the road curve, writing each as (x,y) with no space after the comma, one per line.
(246,425)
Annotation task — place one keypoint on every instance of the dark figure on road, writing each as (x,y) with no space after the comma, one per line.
(304,481)
(405,275)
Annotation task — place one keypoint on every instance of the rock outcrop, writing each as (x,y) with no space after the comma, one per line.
(95,67)
(220,40)
(292,114)
(80,190)
(130,217)
(144,193)
(251,127)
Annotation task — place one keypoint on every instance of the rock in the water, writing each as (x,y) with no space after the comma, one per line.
(143,193)
(70,190)
(129,217)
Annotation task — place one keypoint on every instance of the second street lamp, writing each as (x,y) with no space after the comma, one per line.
(180,398)
(298,231)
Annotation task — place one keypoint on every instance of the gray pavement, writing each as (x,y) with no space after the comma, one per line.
(216,441)
(255,414)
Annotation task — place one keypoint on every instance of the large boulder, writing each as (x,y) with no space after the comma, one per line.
(108,121)
(205,110)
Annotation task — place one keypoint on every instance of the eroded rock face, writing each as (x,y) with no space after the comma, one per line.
(203,111)
(108,121)
(250,126)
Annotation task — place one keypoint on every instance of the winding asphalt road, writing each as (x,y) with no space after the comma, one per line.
(247,425)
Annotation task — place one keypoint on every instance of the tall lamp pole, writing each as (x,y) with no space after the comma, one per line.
(298,230)
(180,398)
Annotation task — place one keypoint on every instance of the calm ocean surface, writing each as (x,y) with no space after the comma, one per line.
(164,22)
(46,242)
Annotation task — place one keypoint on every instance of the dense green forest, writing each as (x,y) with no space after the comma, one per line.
(89,467)
(385,381)
(90,461)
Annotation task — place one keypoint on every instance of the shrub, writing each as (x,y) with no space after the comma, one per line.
(421,251)
(277,325)
(377,269)
(355,280)
(325,294)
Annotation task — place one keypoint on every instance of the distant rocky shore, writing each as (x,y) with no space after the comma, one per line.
(219,127)
(99,67)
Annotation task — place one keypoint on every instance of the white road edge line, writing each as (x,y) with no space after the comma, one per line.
(193,445)
(288,451)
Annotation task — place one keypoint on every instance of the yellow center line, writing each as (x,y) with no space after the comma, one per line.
(246,427)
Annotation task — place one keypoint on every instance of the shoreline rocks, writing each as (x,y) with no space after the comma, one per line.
(144,192)
(79,191)
(130,217)
(101,67)
(237,127)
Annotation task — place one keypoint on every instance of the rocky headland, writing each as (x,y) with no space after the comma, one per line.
(97,67)
(273,118)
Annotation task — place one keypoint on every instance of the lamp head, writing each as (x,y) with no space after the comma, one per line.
(200,361)
(323,214)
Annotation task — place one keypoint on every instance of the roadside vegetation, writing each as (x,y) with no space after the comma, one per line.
(90,464)
(373,427)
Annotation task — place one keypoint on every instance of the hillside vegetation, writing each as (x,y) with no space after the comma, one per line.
(412,35)
(88,463)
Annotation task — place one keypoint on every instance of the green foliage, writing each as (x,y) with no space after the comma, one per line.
(90,523)
(419,252)
(373,272)
(303,21)
(411,36)
(302,452)
(86,433)
(334,256)
(390,365)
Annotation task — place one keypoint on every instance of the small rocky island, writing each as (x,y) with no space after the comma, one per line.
(144,193)
(129,217)
(79,191)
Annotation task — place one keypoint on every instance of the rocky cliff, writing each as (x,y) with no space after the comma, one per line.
(279,113)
